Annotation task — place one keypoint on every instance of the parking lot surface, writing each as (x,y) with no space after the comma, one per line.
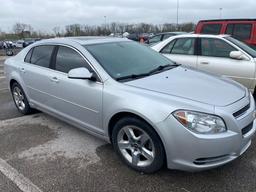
(41,153)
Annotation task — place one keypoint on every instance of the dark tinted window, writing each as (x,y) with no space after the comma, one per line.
(184,46)
(167,49)
(68,59)
(243,46)
(229,29)
(155,39)
(42,55)
(28,56)
(215,47)
(239,31)
(167,36)
(211,29)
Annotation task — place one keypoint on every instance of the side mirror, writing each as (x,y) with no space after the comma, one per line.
(80,73)
(238,55)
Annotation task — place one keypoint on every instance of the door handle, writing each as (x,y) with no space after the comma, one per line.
(205,62)
(55,79)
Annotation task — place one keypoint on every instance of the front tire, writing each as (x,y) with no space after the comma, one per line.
(138,145)
(20,99)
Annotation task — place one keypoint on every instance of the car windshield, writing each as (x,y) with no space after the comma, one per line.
(243,46)
(123,59)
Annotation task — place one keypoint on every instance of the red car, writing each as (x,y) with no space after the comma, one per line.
(241,29)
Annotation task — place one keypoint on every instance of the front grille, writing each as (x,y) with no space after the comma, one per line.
(241,111)
(247,128)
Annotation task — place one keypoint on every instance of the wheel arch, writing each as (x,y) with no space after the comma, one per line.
(114,119)
(12,81)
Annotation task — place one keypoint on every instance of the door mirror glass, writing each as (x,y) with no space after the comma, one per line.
(238,55)
(80,73)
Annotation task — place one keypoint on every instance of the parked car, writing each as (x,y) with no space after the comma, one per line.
(241,29)
(152,110)
(162,36)
(1,44)
(218,54)
(27,42)
(19,43)
(138,36)
(8,44)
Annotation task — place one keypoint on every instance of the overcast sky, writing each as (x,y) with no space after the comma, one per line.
(45,14)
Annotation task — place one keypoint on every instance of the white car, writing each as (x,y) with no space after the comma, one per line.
(19,43)
(218,54)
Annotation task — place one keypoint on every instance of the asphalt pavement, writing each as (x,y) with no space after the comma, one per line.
(41,153)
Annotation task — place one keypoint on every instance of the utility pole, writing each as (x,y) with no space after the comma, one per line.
(220,13)
(105,20)
(177,23)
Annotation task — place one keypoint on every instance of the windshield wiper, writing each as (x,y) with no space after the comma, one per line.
(158,69)
(163,68)
(133,76)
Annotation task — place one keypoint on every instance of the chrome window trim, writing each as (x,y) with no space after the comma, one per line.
(71,47)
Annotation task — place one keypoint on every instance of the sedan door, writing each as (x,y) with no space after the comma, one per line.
(79,100)
(215,58)
(181,51)
(35,73)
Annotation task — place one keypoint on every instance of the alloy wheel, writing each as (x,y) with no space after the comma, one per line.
(136,146)
(19,98)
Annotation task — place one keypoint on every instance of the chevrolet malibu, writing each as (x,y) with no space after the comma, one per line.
(153,111)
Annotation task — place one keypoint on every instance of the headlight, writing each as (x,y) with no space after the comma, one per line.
(200,122)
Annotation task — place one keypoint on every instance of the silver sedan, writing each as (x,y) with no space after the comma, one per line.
(152,110)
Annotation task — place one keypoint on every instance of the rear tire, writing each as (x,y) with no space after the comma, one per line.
(20,99)
(138,145)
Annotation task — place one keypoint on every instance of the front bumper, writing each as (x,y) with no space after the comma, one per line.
(186,150)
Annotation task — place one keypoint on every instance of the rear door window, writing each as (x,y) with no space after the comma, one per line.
(239,31)
(168,48)
(211,29)
(184,46)
(28,56)
(41,55)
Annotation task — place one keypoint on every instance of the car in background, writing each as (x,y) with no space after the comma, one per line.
(8,44)
(19,43)
(139,36)
(162,36)
(1,44)
(218,54)
(241,29)
(153,111)
(27,42)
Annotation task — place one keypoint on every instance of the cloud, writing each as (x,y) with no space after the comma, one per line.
(45,14)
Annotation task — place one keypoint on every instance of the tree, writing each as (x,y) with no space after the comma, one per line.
(73,30)
(22,29)
(56,31)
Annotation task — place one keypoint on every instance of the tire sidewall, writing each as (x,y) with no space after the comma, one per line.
(159,149)
(27,108)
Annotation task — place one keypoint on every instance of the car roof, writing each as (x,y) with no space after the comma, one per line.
(172,32)
(201,35)
(85,40)
(223,20)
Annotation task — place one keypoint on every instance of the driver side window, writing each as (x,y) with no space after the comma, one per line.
(68,59)
(215,48)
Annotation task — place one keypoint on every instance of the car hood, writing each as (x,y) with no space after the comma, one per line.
(194,85)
